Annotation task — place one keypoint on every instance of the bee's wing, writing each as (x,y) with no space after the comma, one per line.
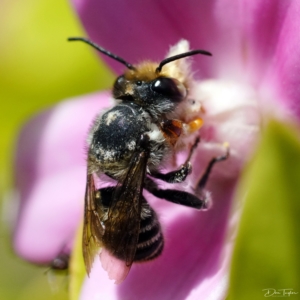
(92,228)
(124,214)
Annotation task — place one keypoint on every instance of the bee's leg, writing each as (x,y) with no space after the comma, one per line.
(176,196)
(181,197)
(180,174)
(175,176)
(185,198)
(203,180)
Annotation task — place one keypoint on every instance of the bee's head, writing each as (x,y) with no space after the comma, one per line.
(149,88)
(149,85)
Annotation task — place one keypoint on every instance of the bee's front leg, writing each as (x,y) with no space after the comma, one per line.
(179,175)
(203,180)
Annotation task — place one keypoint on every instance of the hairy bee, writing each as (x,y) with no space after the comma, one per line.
(128,143)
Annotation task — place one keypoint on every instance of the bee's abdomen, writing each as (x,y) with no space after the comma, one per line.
(151,241)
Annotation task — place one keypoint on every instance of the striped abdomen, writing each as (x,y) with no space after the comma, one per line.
(151,241)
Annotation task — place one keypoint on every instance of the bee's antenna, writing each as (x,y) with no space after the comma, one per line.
(182,55)
(102,50)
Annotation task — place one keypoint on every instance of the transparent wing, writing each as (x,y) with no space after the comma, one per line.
(124,216)
(92,229)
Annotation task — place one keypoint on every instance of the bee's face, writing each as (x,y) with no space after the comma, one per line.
(149,89)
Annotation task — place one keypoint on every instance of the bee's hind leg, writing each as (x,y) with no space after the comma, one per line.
(175,196)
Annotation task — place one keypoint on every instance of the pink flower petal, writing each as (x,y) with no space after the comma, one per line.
(142,30)
(50,216)
(265,48)
(51,174)
(283,52)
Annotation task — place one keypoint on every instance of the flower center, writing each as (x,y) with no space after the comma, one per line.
(231,114)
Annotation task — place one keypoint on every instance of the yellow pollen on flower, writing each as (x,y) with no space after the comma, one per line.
(225,145)
(195,125)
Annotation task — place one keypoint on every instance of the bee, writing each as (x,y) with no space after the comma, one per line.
(128,143)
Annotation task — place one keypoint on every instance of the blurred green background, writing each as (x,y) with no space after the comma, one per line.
(38,69)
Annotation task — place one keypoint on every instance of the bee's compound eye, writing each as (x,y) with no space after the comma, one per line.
(119,87)
(169,87)
(120,81)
